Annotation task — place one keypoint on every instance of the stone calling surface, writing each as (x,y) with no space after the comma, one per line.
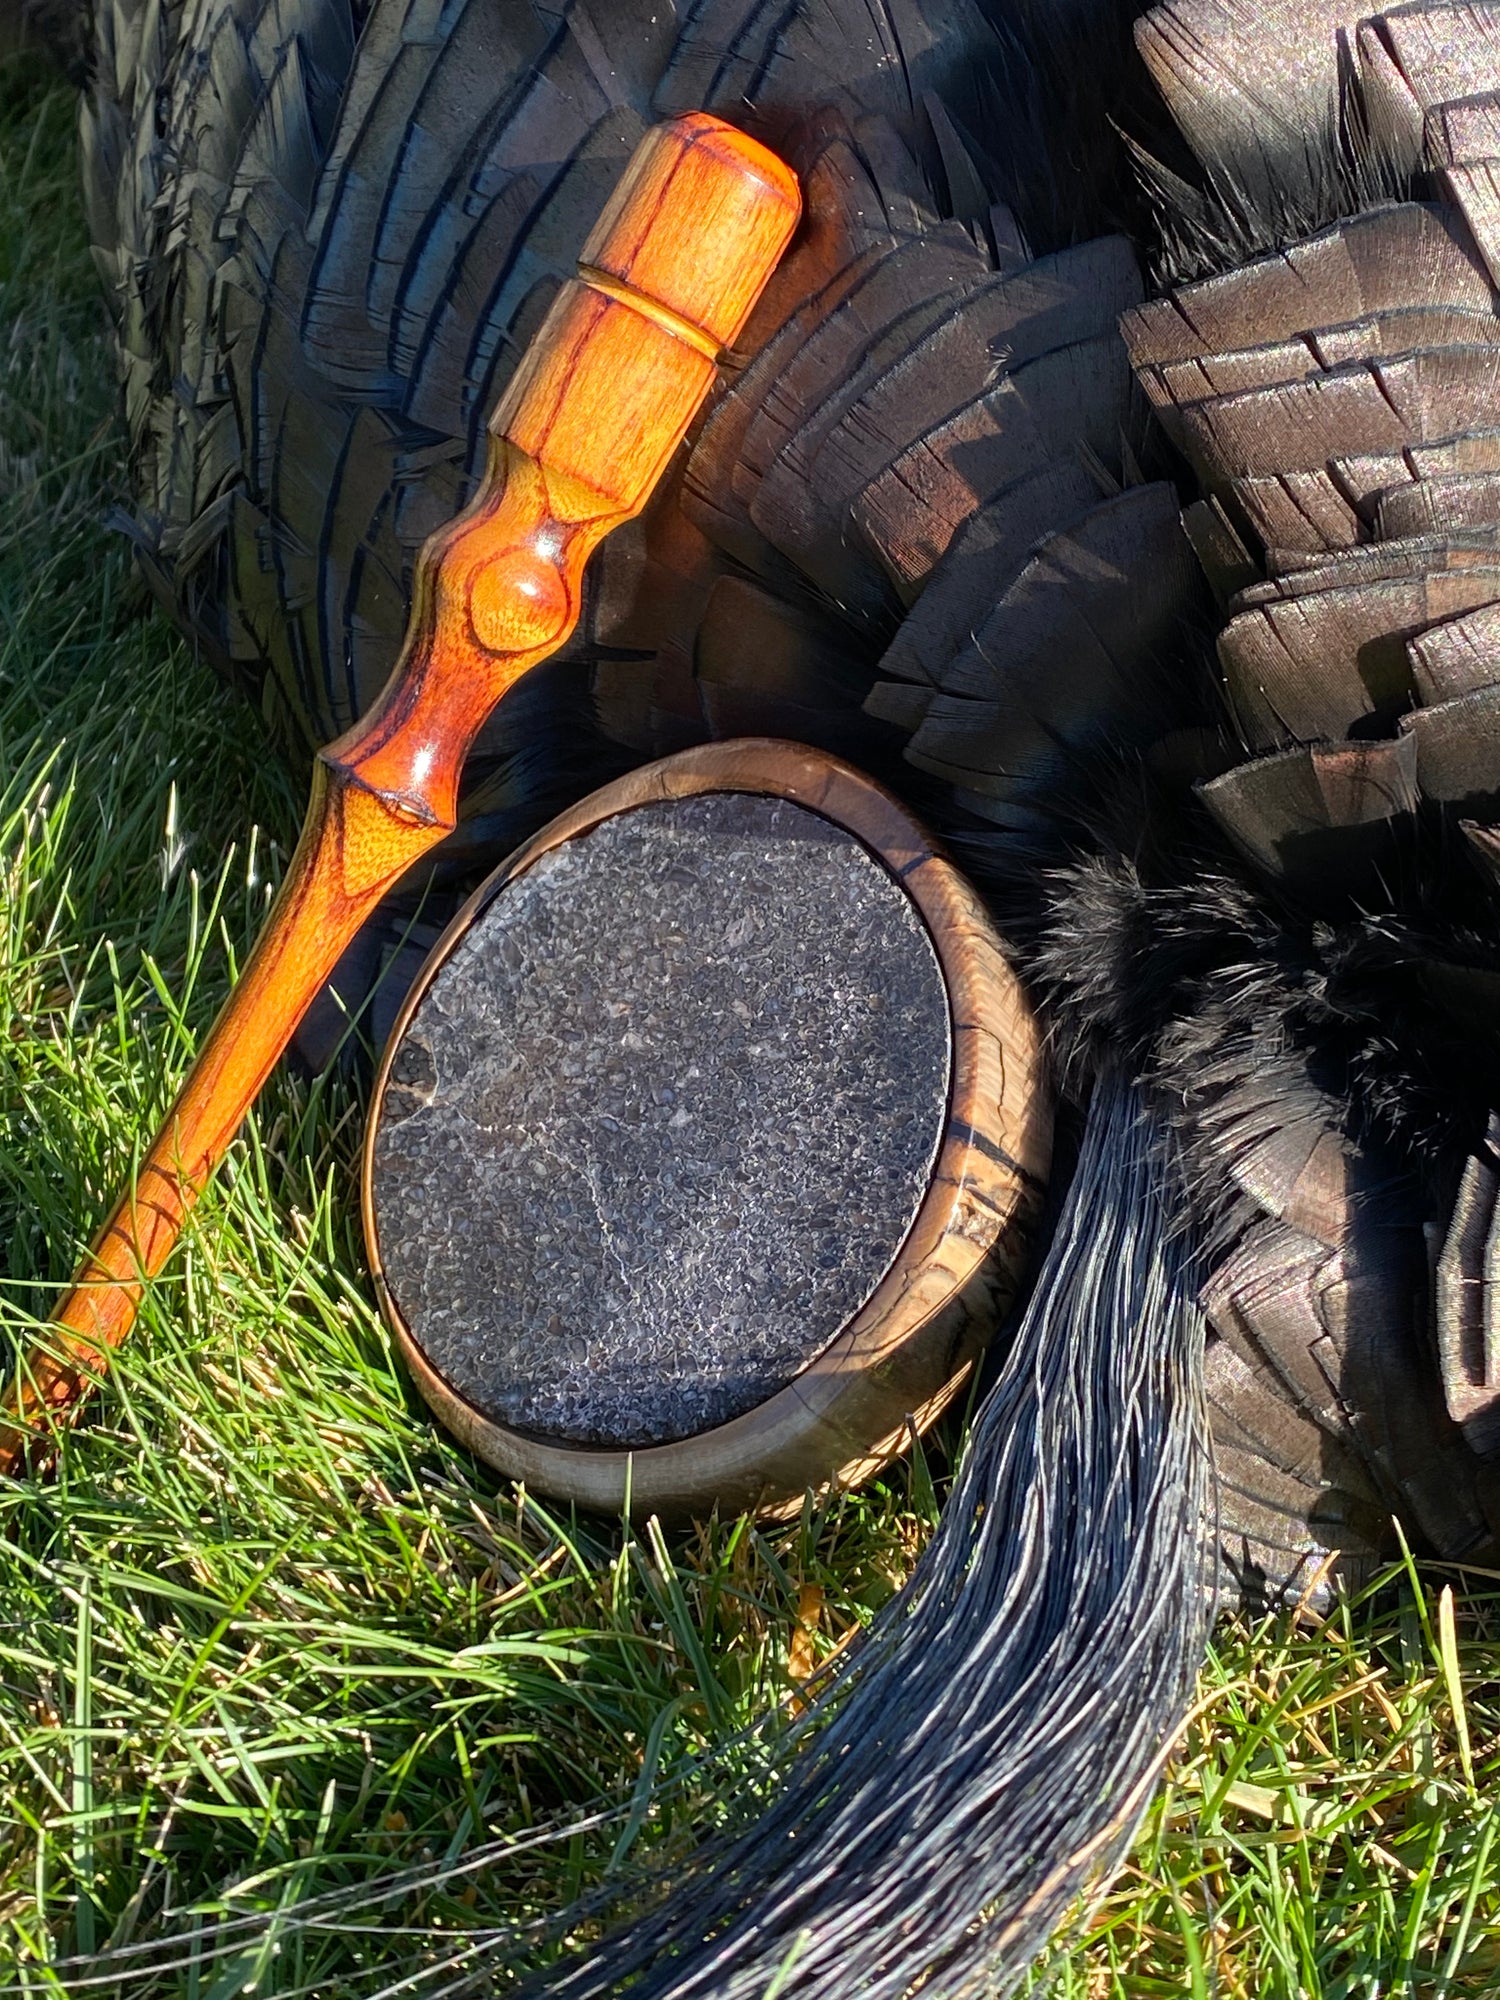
(660,1124)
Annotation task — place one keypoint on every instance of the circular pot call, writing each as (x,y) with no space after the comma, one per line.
(709,1142)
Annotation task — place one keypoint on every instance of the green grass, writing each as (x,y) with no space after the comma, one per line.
(268,1635)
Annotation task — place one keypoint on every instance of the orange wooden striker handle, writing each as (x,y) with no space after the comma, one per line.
(597,407)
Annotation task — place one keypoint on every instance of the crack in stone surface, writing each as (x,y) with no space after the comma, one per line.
(670,1109)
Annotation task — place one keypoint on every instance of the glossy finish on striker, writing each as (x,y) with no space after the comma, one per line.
(590,421)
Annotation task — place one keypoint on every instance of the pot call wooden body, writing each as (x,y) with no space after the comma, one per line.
(594,413)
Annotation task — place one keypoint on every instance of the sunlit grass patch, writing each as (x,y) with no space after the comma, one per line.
(1330,1824)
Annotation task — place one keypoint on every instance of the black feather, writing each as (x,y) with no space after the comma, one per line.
(976,1756)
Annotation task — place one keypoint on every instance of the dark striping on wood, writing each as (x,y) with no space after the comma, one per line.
(660,1124)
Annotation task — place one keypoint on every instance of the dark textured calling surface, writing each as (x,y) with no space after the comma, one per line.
(661,1122)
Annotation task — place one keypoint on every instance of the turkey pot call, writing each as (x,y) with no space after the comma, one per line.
(709,1141)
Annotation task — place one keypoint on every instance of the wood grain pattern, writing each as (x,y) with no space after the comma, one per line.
(592,416)
(900,1360)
